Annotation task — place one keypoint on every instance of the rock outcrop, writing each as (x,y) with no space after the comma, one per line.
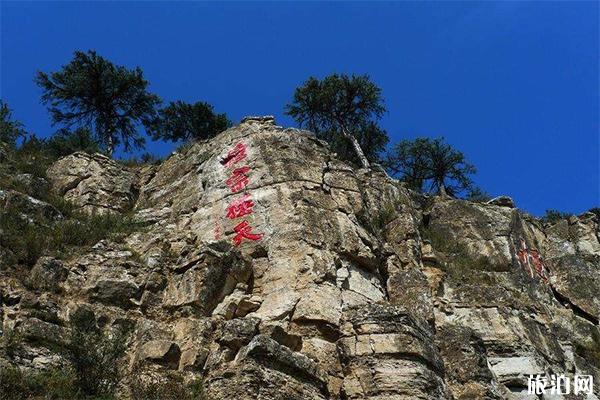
(94,183)
(275,271)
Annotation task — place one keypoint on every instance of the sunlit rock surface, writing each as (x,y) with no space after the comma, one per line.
(345,285)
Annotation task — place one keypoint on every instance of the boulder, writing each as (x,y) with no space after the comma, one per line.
(47,274)
(161,352)
(238,332)
(94,183)
(502,201)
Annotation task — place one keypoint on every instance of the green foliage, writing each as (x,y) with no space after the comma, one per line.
(10,342)
(457,261)
(590,349)
(35,155)
(31,157)
(54,384)
(85,230)
(596,211)
(148,158)
(22,237)
(377,221)
(144,159)
(554,216)
(340,109)
(93,371)
(477,195)
(170,387)
(10,130)
(28,239)
(65,142)
(431,165)
(92,92)
(181,121)
(94,355)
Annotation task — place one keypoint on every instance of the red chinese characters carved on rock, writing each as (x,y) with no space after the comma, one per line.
(240,207)
(217,231)
(238,179)
(243,230)
(235,155)
(527,257)
(244,205)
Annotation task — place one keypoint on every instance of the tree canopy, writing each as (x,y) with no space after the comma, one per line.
(431,165)
(342,110)
(184,121)
(10,129)
(92,92)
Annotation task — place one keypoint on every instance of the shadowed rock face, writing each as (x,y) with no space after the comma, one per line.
(353,287)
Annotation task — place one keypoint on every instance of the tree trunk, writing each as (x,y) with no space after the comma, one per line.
(442,190)
(357,149)
(110,145)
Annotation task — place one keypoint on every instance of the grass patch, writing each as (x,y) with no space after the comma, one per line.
(93,372)
(48,385)
(30,238)
(377,222)
(590,351)
(171,387)
(10,342)
(457,261)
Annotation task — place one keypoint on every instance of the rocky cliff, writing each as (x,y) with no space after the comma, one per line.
(272,270)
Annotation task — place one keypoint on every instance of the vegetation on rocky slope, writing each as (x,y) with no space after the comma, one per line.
(35,220)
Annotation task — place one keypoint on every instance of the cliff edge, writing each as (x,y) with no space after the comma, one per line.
(272,270)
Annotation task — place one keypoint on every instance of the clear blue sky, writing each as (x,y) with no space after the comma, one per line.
(512,84)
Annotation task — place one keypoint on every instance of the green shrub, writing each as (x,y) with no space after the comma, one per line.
(87,230)
(26,241)
(94,355)
(590,350)
(31,158)
(30,237)
(48,385)
(554,216)
(10,342)
(144,159)
(377,222)
(65,142)
(169,387)
(477,195)
(457,261)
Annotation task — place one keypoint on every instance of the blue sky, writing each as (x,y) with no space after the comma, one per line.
(512,84)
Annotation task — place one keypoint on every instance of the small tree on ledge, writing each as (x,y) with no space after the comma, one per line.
(431,165)
(342,110)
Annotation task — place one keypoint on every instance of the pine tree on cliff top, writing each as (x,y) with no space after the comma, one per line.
(431,165)
(181,121)
(342,110)
(109,99)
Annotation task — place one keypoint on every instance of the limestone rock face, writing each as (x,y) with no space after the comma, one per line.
(94,183)
(275,271)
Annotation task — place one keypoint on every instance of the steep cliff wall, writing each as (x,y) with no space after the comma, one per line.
(274,271)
